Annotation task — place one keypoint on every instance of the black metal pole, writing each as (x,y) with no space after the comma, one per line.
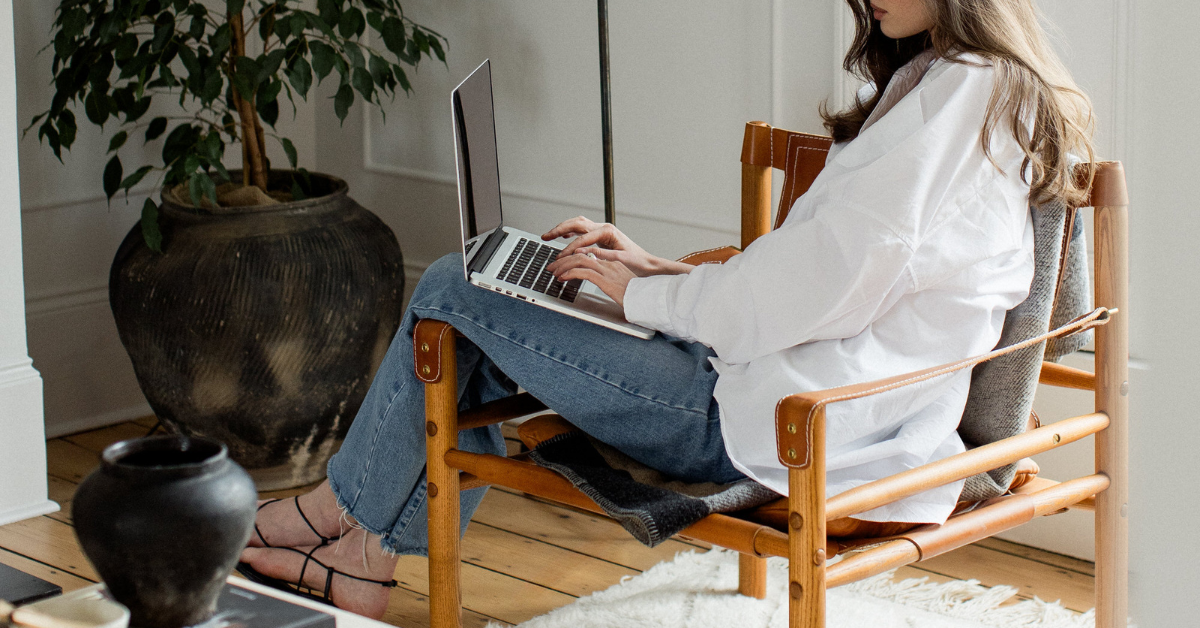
(610,212)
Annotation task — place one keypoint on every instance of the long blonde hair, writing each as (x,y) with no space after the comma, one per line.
(1031,84)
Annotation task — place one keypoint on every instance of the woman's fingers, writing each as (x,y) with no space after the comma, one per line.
(573,227)
(611,277)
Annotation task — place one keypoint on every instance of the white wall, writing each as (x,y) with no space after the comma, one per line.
(22,448)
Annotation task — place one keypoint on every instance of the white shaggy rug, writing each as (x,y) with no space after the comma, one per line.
(698,590)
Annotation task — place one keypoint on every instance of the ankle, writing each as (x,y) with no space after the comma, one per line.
(321,507)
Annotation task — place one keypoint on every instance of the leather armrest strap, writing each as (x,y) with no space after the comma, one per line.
(719,255)
(431,340)
(795,414)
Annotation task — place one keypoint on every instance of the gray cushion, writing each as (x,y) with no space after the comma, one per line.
(1001,395)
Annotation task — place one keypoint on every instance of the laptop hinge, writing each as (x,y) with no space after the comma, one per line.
(487,249)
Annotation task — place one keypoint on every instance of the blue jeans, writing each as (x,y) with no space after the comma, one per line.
(651,399)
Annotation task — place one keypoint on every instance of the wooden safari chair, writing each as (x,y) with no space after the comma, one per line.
(795,526)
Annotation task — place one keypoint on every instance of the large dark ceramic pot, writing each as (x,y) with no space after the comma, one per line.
(163,520)
(261,326)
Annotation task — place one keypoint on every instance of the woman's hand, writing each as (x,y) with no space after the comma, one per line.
(611,277)
(607,243)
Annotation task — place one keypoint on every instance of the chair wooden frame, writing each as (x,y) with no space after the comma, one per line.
(800,425)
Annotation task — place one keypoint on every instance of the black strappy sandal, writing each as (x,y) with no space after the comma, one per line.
(325,540)
(301,589)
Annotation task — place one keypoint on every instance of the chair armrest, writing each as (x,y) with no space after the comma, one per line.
(795,415)
(719,255)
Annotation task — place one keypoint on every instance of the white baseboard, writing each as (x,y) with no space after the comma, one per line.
(21,513)
(83,424)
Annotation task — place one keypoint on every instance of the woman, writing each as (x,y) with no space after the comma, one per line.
(906,252)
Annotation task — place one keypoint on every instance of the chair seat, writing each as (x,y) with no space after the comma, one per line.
(775,514)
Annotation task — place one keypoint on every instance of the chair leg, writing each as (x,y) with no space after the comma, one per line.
(1112,398)
(441,428)
(806,534)
(752,576)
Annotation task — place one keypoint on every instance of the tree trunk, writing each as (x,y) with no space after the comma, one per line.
(254,167)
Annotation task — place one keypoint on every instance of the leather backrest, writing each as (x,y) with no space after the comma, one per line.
(801,157)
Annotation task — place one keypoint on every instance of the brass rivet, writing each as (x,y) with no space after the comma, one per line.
(796,521)
(425,369)
(792,454)
(791,428)
(819,556)
(1057,439)
(432,489)
(431,428)
(796,590)
(425,347)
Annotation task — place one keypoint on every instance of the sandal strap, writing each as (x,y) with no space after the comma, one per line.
(324,539)
(256,530)
(330,572)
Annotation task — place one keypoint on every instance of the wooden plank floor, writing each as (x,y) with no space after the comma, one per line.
(522,557)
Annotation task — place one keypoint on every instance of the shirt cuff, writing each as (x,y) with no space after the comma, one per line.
(646,302)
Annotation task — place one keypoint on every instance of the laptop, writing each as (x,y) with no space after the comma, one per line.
(499,258)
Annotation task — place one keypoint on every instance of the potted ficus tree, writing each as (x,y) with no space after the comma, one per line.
(254,303)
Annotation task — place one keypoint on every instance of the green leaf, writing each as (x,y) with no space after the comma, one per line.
(300,76)
(178,142)
(436,45)
(380,69)
(268,92)
(66,128)
(290,150)
(47,131)
(342,102)
(323,56)
(219,40)
(117,141)
(361,79)
(268,110)
(330,10)
(201,185)
(351,23)
(297,23)
(150,231)
(354,53)
(164,28)
(196,29)
(135,178)
(112,177)
(375,19)
(234,6)
(393,35)
(73,22)
(245,79)
(139,108)
(212,147)
(214,82)
(126,46)
(156,128)
(266,23)
(269,65)
(190,62)
(96,107)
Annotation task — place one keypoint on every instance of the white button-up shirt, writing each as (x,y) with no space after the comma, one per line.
(905,253)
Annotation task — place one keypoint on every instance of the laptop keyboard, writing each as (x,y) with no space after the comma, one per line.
(526,267)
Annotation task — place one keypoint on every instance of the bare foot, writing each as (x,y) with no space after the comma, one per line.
(281,523)
(356,554)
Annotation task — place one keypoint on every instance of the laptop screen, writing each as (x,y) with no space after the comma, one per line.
(478,170)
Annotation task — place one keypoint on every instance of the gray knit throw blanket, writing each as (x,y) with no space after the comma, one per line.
(654,507)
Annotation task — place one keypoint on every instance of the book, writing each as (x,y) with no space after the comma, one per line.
(242,608)
(18,587)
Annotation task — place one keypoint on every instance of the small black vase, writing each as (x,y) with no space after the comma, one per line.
(163,521)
